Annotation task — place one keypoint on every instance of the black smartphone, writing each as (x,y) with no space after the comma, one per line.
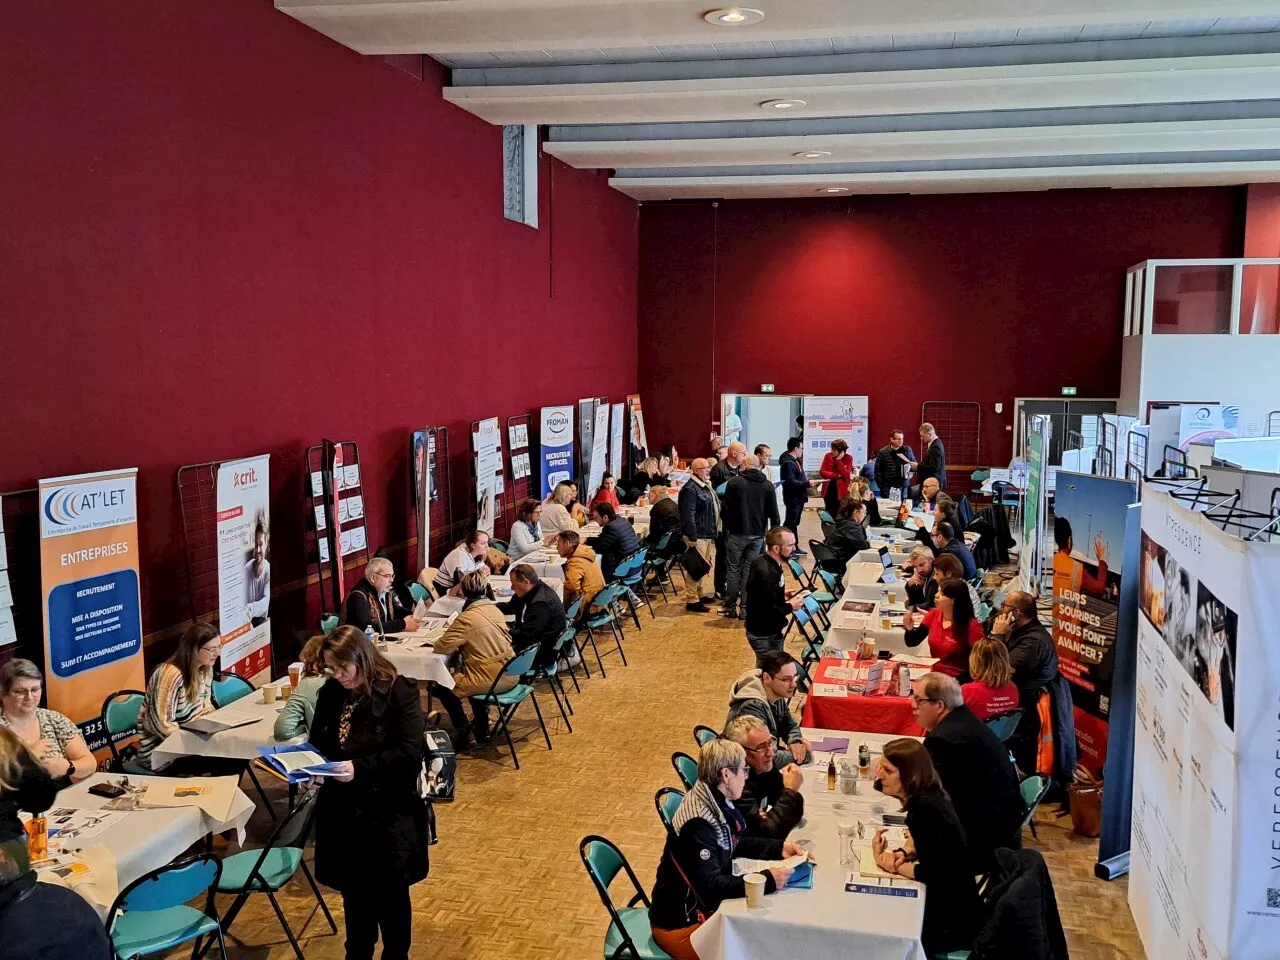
(110,790)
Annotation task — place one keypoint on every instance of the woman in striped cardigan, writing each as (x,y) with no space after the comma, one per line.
(180,690)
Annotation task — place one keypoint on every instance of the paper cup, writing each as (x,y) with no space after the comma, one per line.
(755,889)
(286,691)
(268,694)
(893,596)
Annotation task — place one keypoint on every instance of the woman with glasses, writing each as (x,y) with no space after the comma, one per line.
(526,534)
(51,737)
(950,627)
(371,824)
(179,691)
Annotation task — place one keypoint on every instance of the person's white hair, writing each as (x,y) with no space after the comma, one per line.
(376,566)
(719,755)
(741,727)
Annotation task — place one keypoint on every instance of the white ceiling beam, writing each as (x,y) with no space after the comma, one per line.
(950,181)
(492,26)
(1027,86)
(1058,141)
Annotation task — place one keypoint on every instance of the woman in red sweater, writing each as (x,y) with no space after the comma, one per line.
(950,627)
(608,492)
(837,470)
(992,691)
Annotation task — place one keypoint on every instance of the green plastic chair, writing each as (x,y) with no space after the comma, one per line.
(660,564)
(630,573)
(508,702)
(629,933)
(607,617)
(228,688)
(668,800)
(1004,724)
(1033,790)
(120,721)
(720,489)
(269,869)
(419,592)
(704,734)
(686,769)
(151,915)
(328,624)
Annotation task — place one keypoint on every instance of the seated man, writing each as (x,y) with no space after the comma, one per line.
(973,765)
(664,518)
(582,576)
(766,693)
(926,492)
(946,540)
(539,615)
(372,602)
(771,800)
(1034,660)
(617,539)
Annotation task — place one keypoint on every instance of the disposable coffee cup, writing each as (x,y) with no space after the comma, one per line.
(286,691)
(893,596)
(268,694)
(755,889)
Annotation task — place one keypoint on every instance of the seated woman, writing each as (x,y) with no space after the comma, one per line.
(556,517)
(467,557)
(24,785)
(576,510)
(608,492)
(860,489)
(936,852)
(179,691)
(526,535)
(298,713)
(696,870)
(992,690)
(52,738)
(482,642)
(641,480)
(950,628)
(849,536)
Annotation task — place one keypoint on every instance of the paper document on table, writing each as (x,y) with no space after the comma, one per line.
(213,795)
(913,661)
(70,827)
(841,673)
(830,690)
(865,608)
(831,653)
(855,622)
(742,866)
(446,606)
(830,745)
(420,609)
(867,865)
(219,720)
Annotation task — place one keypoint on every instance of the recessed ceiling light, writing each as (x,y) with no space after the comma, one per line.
(782,104)
(834,190)
(812,154)
(733,16)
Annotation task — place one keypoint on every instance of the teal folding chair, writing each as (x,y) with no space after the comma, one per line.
(420,593)
(120,721)
(500,545)
(704,734)
(686,769)
(508,702)
(629,933)
(668,800)
(660,564)
(270,868)
(721,489)
(818,612)
(630,573)
(1033,790)
(151,915)
(328,624)
(607,616)
(1003,725)
(826,517)
(551,673)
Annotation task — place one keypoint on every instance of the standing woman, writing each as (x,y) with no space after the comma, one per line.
(371,825)
(179,691)
(837,470)
(936,852)
(950,627)
(24,785)
(53,739)
(526,535)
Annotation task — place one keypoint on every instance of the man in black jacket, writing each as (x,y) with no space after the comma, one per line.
(750,509)
(946,540)
(539,614)
(973,765)
(1035,666)
(722,471)
(617,539)
(765,602)
(795,487)
(699,522)
(664,517)
(372,602)
(771,801)
(894,463)
(933,462)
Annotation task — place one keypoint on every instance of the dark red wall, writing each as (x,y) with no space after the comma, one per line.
(904,299)
(224,235)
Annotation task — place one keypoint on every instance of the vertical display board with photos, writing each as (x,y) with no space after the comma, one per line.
(599,451)
(490,485)
(244,567)
(555,456)
(637,439)
(1034,504)
(424,489)
(8,631)
(521,466)
(827,419)
(1088,531)
(617,431)
(1205,872)
(92,606)
(336,513)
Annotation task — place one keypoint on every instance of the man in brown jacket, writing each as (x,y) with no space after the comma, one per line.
(582,575)
(482,643)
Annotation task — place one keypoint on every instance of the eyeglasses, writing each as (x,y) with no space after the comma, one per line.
(389,576)
(216,649)
(916,701)
(766,747)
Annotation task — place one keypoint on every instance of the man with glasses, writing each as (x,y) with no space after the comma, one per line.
(973,765)
(765,693)
(771,800)
(372,602)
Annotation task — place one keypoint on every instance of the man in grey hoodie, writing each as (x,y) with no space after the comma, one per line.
(766,693)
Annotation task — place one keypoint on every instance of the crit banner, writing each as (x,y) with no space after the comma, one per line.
(244,570)
(89,582)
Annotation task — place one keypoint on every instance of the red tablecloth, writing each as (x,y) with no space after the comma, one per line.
(877,714)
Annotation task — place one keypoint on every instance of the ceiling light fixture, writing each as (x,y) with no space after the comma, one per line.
(834,190)
(782,104)
(733,16)
(812,154)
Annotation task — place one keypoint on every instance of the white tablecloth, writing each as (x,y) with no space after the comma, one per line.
(412,658)
(149,838)
(845,636)
(238,743)
(872,555)
(825,921)
(863,573)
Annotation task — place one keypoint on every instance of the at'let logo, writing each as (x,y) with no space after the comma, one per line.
(67,504)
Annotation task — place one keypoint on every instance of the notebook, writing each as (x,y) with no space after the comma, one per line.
(219,720)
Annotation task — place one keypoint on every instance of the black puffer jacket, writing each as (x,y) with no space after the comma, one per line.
(750,505)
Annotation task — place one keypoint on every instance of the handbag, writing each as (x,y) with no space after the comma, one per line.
(694,564)
(1085,795)
(437,777)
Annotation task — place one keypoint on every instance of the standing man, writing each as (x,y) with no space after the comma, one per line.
(894,463)
(933,460)
(699,521)
(795,488)
(723,470)
(750,509)
(764,453)
(766,603)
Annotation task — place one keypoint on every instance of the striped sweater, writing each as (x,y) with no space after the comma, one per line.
(167,707)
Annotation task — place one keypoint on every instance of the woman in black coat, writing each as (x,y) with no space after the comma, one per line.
(371,825)
(936,852)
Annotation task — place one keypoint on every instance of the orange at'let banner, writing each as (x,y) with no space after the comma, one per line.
(89,583)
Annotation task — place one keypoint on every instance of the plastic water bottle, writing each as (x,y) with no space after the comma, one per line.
(368,632)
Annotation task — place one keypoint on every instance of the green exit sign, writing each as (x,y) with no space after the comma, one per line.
(766,388)
(1068,391)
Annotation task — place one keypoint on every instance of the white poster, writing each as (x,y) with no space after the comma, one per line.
(617,429)
(556,456)
(599,451)
(1206,422)
(835,418)
(487,444)
(423,444)
(1205,869)
(244,567)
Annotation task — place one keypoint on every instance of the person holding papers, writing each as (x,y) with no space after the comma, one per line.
(950,627)
(371,825)
(936,852)
(893,465)
(179,691)
(372,602)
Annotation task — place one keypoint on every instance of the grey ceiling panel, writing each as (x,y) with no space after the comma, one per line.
(802,48)
(1048,34)
(689,51)
(731,51)
(924,41)
(1178,28)
(1245,24)
(861,44)
(1115,31)
(525,58)
(633,54)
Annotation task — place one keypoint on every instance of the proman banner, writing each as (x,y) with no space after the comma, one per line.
(244,567)
(89,583)
(556,455)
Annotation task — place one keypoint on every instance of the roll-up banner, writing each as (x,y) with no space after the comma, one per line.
(586,444)
(1088,532)
(244,567)
(599,453)
(89,582)
(487,443)
(555,458)
(638,445)
(835,418)
(424,465)
(1205,857)
(1029,555)
(617,429)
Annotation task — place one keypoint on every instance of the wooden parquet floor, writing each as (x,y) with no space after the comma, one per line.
(506,878)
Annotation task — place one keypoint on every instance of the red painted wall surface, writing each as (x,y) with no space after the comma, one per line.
(224,234)
(905,299)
